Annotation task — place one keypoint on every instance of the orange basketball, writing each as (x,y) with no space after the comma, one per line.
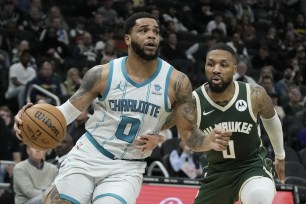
(43,126)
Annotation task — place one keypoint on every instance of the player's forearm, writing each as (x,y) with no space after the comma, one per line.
(273,127)
(169,122)
(195,140)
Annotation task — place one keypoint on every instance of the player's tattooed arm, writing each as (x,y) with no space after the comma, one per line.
(261,102)
(169,122)
(90,87)
(185,114)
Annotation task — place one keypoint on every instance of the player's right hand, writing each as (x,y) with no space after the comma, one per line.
(218,139)
(18,120)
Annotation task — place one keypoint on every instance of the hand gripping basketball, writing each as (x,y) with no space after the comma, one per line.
(43,126)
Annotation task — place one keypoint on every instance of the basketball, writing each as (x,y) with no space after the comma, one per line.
(43,126)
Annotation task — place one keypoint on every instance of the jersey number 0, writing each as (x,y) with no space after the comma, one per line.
(127,129)
(229,153)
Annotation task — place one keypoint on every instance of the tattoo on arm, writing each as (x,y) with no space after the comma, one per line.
(169,122)
(184,100)
(91,78)
(262,103)
(186,105)
(195,141)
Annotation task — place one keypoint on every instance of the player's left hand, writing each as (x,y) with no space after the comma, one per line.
(147,142)
(280,170)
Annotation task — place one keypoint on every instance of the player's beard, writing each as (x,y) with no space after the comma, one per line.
(141,53)
(219,88)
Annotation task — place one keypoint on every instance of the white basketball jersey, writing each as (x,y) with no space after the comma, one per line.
(128,109)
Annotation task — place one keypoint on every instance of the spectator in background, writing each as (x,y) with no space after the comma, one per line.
(84,54)
(9,13)
(280,22)
(262,58)
(248,34)
(19,75)
(300,56)
(170,50)
(4,60)
(61,33)
(77,128)
(78,30)
(72,82)
(53,13)
(34,22)
(32,176)
(294,103)
(86,8)
(9,146)
(6,114)
(296,128)
(282,86)
(300,25)
(288,44)
(238,46)
(196,52)
(109,13)
(241,74)
(9,150)
(47,80)
(300,125)
(279,109)
(184,162)
(108,52)
(62,149)
(97,26)
(265,71)
(50,47)
(243,9)
(272,40)
(171,15)
(17,51)
(233,26)
(268,84)
(216,23)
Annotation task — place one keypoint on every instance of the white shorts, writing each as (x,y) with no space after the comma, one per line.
(86,175)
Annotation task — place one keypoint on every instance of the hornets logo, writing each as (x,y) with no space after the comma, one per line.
(157,89)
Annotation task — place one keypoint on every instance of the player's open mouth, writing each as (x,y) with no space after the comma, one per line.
(216,79)
(151,45)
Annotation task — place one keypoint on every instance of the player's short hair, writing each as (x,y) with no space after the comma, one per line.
(130,21)
(225,47)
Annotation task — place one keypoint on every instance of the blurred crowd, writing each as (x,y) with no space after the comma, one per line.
(52,43)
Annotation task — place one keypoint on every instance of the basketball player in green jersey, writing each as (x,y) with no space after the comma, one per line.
(241,172)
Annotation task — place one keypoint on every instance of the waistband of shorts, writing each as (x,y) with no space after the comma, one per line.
(104,151)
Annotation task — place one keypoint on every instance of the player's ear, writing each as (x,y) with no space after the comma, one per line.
(127,39)
(235,68)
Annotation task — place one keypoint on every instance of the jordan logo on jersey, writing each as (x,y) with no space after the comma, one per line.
(118,87)
(157,89)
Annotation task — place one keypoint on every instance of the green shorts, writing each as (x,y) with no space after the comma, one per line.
(224,187)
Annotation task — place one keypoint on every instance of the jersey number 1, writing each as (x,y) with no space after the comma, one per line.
(229,153)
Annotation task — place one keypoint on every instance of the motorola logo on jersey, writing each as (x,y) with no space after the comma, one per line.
(241,105)
(171,200)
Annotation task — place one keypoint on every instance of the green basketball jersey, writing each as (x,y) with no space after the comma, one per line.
(245,147)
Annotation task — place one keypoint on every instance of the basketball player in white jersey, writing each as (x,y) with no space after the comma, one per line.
(136,95)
